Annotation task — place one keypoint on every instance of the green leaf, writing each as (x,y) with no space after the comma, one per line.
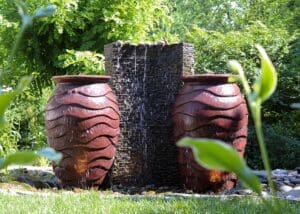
(45,11)
(27,157)
(21,6)
(26,21)
(50,154)
(233,79)
(236,67)
(214,154)
(1,162)
(24,82)
(268,79)
(19,158)
(7,97)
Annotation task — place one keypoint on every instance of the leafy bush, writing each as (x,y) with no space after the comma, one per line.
(85,26)
(214,49)
(85,62)
(24,128)
(280,142)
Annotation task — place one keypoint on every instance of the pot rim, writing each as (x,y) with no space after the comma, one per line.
(207,77)
(81,78)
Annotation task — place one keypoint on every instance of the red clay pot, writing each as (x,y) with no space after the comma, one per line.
(209,107)
(82,122)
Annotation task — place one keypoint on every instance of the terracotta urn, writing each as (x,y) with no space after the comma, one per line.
(208,106)
(82,122)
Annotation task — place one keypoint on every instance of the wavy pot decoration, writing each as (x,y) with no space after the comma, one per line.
(209,107)
(82,122)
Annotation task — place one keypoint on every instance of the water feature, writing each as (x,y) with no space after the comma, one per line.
(146,80)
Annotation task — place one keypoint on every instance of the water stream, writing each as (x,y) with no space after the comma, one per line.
(142,124)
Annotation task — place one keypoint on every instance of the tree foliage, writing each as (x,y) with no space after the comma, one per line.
(227,15)
(83,25)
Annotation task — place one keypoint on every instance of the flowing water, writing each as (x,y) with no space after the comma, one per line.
(142,122)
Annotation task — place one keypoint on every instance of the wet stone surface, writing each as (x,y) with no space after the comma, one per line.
(146,79)
(31,180)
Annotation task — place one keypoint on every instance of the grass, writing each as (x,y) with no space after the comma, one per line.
(95,202)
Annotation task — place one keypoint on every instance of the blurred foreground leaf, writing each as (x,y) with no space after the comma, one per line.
(214,154)
(268,78)
(7,97)
(28,157)
(45,11)
(50,154)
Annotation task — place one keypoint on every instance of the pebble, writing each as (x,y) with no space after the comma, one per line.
(295,180)
(244,191)
(38,177)
(265,194)
(286,181)
(293,194)
(285,188)
(260,173)
(278,172)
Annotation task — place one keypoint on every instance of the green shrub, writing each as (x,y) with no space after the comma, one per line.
(214,49)
(85,62)
(81,26)
(24,128)
(282,145)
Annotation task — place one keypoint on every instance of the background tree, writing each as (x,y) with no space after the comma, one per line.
(222,30)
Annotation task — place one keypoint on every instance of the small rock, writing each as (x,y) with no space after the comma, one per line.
(293,173)
(151,186)
(263,180)
(260,173)
(287,182)
(243,191)
(296,188)
(150,193)
(285,188)
(293,194)
(298,169)
(189,191)
(264,186)
(290,176)
(281,176)
(265,194)
(295,180)
(280,172)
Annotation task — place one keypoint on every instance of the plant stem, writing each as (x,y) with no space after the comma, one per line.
(17,43)
(256,114)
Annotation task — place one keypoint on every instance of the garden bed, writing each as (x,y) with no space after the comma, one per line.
(41,180)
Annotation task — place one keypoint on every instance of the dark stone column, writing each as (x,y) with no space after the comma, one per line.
(146,80)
